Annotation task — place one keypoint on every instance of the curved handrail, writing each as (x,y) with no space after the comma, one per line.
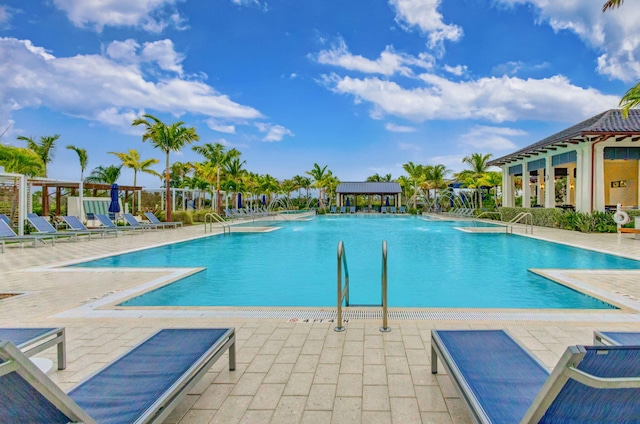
(343,291)
(210,217)
(385,327)
(519,217)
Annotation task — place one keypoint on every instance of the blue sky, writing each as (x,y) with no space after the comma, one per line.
(361,86)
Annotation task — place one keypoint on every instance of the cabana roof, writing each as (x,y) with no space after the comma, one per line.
(369,188)
(606,124)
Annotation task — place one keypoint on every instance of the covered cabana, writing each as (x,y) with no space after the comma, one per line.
(591,166)
(354,189)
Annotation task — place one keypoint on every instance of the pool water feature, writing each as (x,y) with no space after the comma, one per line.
(430,264)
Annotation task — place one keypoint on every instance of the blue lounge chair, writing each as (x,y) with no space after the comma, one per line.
(9,236)
(616,338)
(393,209)
(502,382)
(402,210)
(133,222)
(343,209)
(5,218)
(43,226)
(34,340)
(333,209)
(75,224)
(383,209)
(352,209)
(142,386)
(107,223)
(154,220)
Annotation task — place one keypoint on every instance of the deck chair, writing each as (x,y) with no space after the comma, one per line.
(616,338)
(333,209)
(107,223)
(133,223)
(74,223)
(43,226)
(402,210)
(154,220)
(383,209)
(393,209)
(142,386)
(352,209)
(5,218)
(34,340)
(502,382)
(343,209)
(9,236)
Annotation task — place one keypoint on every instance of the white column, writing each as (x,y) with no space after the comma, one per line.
(598,181)
(507,181)
(526,188)
(583,177)
(549,184)
(22,205)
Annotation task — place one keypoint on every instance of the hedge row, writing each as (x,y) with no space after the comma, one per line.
(599,222)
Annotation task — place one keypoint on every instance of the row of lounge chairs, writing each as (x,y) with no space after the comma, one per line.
(45,232)
(352,209)
(501,381)
(247,213)
(142,386)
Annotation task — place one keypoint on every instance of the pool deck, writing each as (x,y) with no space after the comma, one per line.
(292,369)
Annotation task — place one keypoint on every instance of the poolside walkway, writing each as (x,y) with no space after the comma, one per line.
(292,371)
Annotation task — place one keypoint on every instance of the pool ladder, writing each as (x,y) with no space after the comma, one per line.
(343,289)
(212,217)
(522,216)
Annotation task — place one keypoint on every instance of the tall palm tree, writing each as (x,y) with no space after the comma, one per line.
(435,178)
(471,177)
(218,156)
(105,175)
(45,148)
(319,175)
(631,98)
(132,160)
(492,179)
(235,172)
(168,138)
(83,158)
(416,176)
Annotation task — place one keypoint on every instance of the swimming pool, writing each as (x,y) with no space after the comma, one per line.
(431,264)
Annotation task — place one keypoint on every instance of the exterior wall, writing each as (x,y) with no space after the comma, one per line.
(621,170)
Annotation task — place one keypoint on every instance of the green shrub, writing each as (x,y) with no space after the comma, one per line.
(601,222)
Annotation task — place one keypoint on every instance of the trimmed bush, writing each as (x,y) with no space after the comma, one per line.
(600,222)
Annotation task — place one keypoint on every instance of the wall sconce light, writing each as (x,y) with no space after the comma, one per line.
(542,186)
(572,186)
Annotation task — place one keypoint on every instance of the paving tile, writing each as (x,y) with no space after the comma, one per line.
(405,411)
(289,410)
(321,397)
(349,385)
(347,410)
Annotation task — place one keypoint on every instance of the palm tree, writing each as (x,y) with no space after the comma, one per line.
(218,156)
(105,175)
(19,160)
(132,160)
(492,179)
(234,172)
(83,158)
(471,177)
(416,176)
(631,98)
(44,149)
(168,138)
(319,175)
(435,178)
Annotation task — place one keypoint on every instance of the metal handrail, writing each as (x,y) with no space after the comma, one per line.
(385,328)
(210,217)
(488,213)
(519,217)
(343,291)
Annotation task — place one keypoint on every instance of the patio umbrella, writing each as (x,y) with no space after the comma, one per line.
(264,200)
(114,206)
(239,200)
(348,203)
(387,202)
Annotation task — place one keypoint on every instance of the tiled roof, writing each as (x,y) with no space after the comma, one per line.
(606,123)
(369,188)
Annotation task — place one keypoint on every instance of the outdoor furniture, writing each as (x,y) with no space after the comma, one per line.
(144,385)
(502,382)
(333,209)
(402,210)
(343,209)
(8,235)
(383,209)
(393,209)
(154,220)
(616,338)
(352,209)
(74,223)
(43,226)
(107,223)
(5,218)
(34,340)
(133,222)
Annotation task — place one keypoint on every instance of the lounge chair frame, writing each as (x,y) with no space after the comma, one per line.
(566,369)
(14,360)
(612,338)
(154,220)
(47,337)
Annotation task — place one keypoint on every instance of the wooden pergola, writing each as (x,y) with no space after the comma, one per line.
(355,189)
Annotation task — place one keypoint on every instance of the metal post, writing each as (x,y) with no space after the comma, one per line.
(340,327)
(385,327)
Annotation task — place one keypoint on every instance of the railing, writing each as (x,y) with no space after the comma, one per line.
(488,213)
(519,217)
(343,290)
(212,217)
(385,328)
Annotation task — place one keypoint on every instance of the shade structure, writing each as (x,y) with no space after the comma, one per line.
(239,200)
(348,202)
(114,206)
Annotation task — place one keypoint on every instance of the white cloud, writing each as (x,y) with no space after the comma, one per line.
(424,14)
(616,32)
(388,63)
(456,70)
(150,15)
(490,98)
(159,52)
(492,138)
(98,88)
(220,127)
(274,132)
(409,146)
(6,13)
(390,126)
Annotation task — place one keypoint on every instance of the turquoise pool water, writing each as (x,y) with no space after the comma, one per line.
(430,265)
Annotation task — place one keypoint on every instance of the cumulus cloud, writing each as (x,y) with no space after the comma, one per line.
(409,146)
(456,70)
(492,138)
(390,126)
(424,14)
(490,98)
(216,125)
(100,88)
(150,15)
(615,33)
(161,52)
(389,62)
(5,15)
(274,132)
